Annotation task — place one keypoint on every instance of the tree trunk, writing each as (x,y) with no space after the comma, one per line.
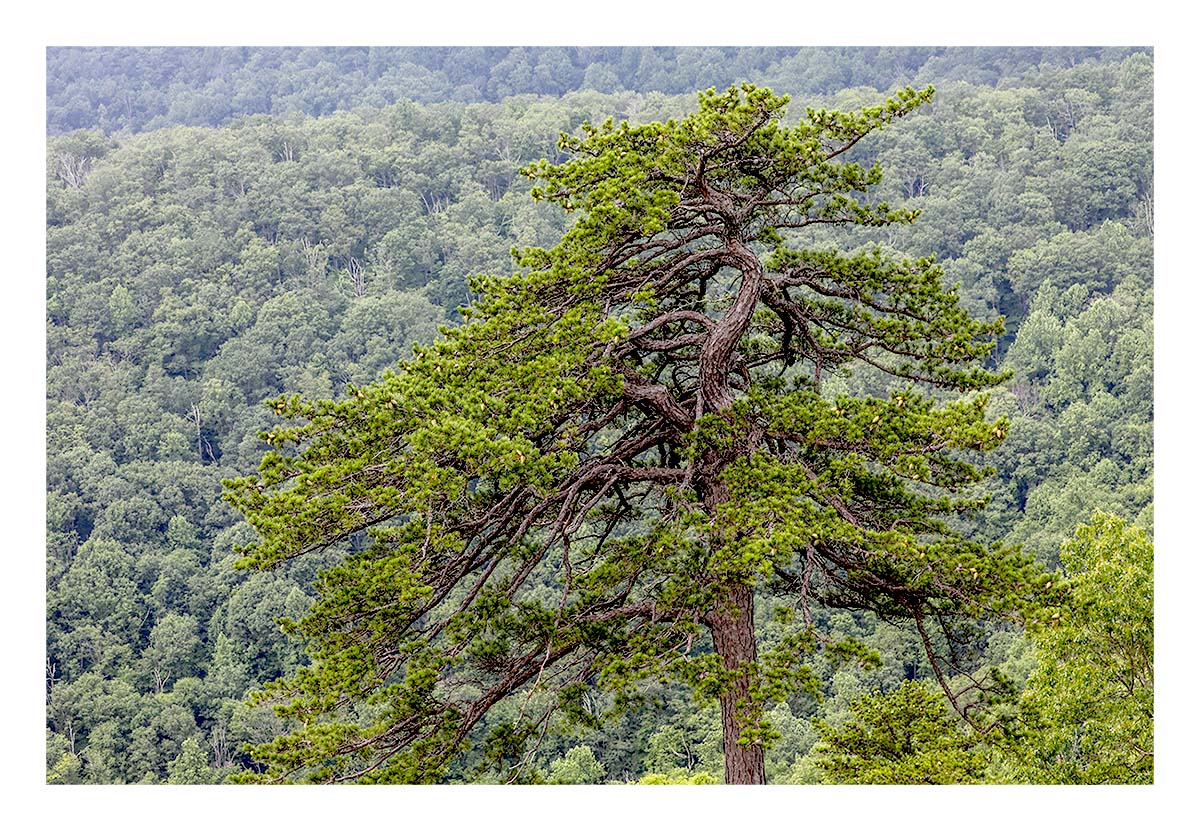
(732,625)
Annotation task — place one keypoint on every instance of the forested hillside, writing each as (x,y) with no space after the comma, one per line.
(136,89)
(225,226)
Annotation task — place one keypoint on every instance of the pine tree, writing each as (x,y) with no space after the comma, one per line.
(628,441)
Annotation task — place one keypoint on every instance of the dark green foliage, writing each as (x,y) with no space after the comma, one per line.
(150,88)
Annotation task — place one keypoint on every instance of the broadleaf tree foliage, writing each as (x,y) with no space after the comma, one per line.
(905,737)
(1088,711)
(636,417)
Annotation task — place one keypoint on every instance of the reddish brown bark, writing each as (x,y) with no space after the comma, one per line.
(732,625)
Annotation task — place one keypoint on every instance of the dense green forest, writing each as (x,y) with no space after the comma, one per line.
(137,89)
(225,226)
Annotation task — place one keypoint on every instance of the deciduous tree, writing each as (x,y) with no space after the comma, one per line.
(905,737)
(1089,705)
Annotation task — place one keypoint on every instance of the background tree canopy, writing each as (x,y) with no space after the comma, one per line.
(225,226)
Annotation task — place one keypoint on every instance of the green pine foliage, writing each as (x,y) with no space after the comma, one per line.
(641,408)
